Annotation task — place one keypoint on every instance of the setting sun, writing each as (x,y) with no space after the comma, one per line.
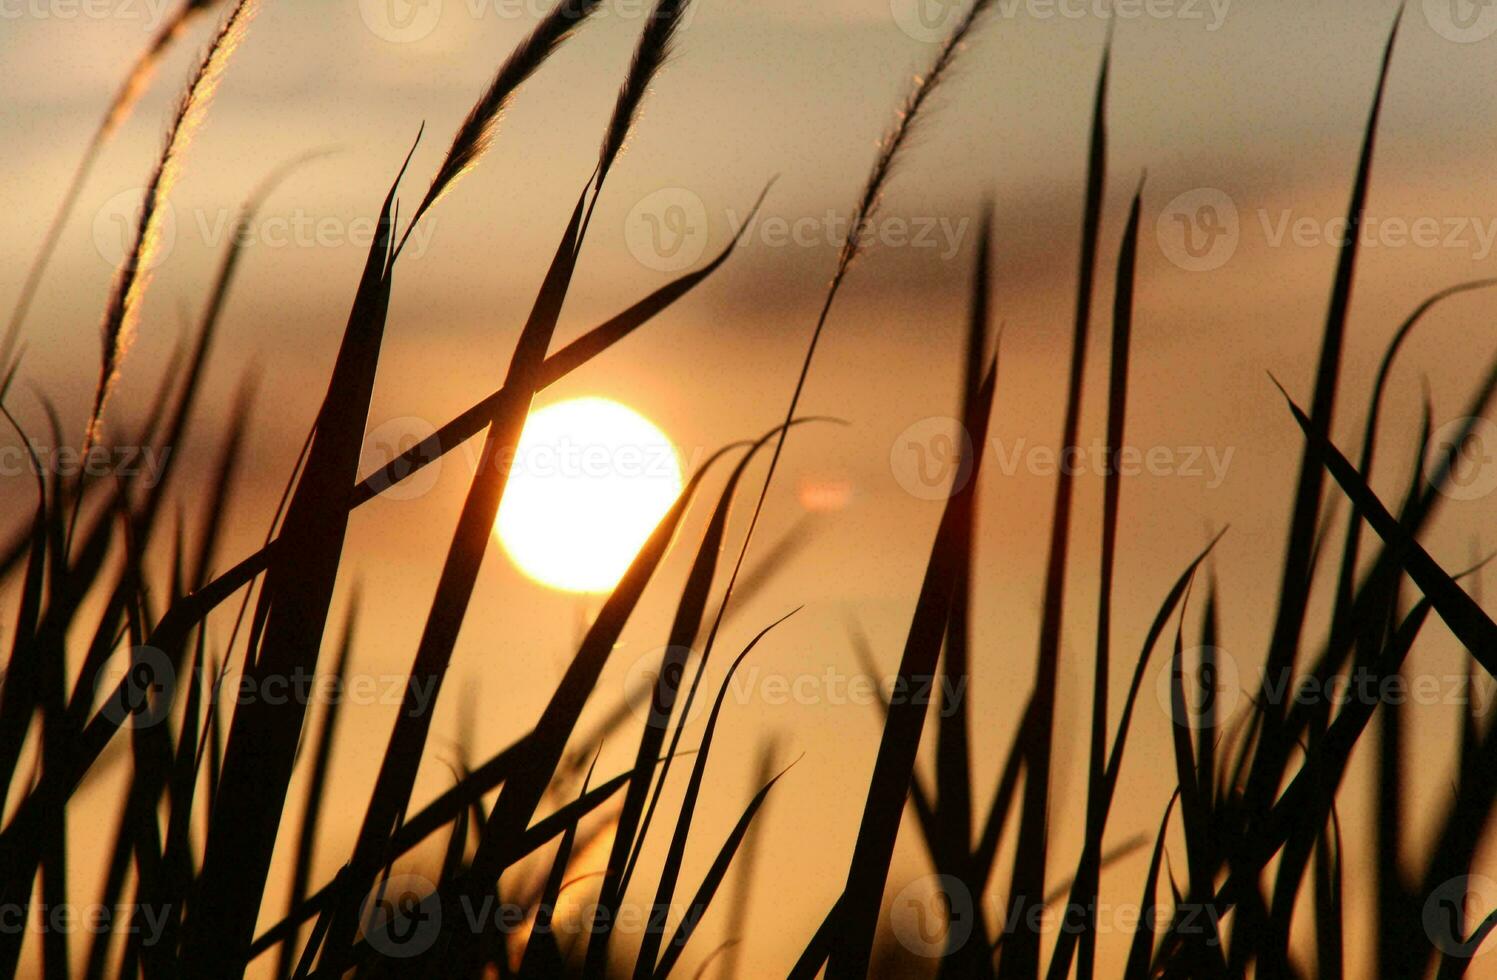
(591,480)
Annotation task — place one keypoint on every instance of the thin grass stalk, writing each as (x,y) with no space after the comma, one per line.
(985,853)
(1294,586)
(177,422)
(1140,952)
(1329,938)
(120,107)
(1021,949)
(1117,413)
(953,764)
(713,880)
(522,793)
(17,695)
(1308,796)
(852,944)
(123,310)
(1089,866)
(921,799)
(193,608)
(1457,839)
(1464,617)
(317,781)
(476,134)
(1350,550)
(732,950)
(263,738)
(646,962)
(402,758)
(889,153)
(1390,884)
(1203,948)
(633,821)
(464,797)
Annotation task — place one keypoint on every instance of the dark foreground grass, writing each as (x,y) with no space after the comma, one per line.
(1256,807)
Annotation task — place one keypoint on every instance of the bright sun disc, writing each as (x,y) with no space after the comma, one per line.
(591,479)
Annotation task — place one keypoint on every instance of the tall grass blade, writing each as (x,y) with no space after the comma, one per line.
(852,943)
(953,816)
(1089,867)
(645,965)
(542,955)
(1295,583)
(402,757)
(263,738)
(713,880)
(685,628)
(317,782)
(1021,950)
(522,793)
(1117,412)
(1141,950)
(1464,617)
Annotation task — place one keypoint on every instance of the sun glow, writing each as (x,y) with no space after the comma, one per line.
(591,479)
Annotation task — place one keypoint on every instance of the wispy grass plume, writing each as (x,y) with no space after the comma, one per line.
(883,166)
(130,281)
(476,134)
(124,101)
(654,50)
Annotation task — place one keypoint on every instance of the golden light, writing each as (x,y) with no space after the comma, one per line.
(591,479)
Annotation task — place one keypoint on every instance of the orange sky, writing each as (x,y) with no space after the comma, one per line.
(1264,112)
